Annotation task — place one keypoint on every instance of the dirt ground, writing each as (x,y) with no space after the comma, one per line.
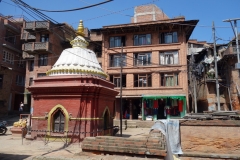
(16,148)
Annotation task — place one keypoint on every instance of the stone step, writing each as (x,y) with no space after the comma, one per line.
(127,142)
(132,150)
(131,126)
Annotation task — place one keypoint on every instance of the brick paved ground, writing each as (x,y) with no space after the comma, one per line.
(14,148)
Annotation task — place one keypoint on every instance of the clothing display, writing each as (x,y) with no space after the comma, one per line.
(180,105)
(161,108)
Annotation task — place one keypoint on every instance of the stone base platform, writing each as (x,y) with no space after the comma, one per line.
(151,146)
(18,131)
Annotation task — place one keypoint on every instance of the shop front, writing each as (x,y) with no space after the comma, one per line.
(163,106)
(152,107)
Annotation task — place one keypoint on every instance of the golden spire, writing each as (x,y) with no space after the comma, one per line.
(80,30)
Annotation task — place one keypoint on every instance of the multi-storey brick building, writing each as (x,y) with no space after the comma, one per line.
(202,69)
(231,75)
(154,74)
(43,43)
(12,66)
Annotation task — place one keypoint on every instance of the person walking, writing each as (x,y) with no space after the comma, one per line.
(21,107)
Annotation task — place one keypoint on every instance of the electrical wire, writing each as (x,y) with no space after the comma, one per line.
(75,9)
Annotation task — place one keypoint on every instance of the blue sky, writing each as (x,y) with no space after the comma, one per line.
(120,12)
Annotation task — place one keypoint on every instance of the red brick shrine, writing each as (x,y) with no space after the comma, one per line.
(75,99)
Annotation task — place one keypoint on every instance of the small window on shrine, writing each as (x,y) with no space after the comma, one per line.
(58,121)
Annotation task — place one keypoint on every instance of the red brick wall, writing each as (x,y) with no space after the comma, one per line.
(80,101)
(148,13)
(216,136)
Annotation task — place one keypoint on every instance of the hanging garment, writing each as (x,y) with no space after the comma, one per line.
(144,104)
(174,102)
(145,112)
(155,104)
(180,105)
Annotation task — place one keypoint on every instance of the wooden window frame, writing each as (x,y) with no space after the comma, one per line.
(61,121)
(138,42)
(163,79)
(145,77)
(167,61)
(162,37)
(113,40)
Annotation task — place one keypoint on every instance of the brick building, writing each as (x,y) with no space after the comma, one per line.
(43,43)
(231,74)
(12,66)
(203,68)
(154,63)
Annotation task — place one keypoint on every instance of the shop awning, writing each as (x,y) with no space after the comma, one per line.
(173,96)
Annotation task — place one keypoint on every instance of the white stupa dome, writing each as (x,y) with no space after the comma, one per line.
(77,60)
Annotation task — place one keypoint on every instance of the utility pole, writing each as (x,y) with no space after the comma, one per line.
(194,81)
(121,112)
(216,70)
(237,65)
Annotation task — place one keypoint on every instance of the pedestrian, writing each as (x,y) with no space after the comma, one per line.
(21,107)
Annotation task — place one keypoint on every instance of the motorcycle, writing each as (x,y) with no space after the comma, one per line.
(3,127)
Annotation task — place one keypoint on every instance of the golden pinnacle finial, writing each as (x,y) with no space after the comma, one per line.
(80,30)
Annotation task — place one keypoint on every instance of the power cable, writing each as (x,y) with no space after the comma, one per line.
(106,9)
(75,9)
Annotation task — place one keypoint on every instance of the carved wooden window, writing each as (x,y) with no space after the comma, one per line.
(58,121)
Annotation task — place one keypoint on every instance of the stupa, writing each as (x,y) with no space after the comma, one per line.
(74,100)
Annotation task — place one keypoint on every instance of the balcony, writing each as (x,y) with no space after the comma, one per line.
(12,26)
(37,25)
(27,36)
(37,47)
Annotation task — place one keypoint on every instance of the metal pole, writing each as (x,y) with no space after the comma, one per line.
(194,82)
(229,95)
(236,34)
(121,112)
(237,65)
(216,70)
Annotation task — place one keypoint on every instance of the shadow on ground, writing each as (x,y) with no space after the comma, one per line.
(13,156)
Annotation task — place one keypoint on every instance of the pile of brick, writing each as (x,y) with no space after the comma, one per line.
(153,146)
